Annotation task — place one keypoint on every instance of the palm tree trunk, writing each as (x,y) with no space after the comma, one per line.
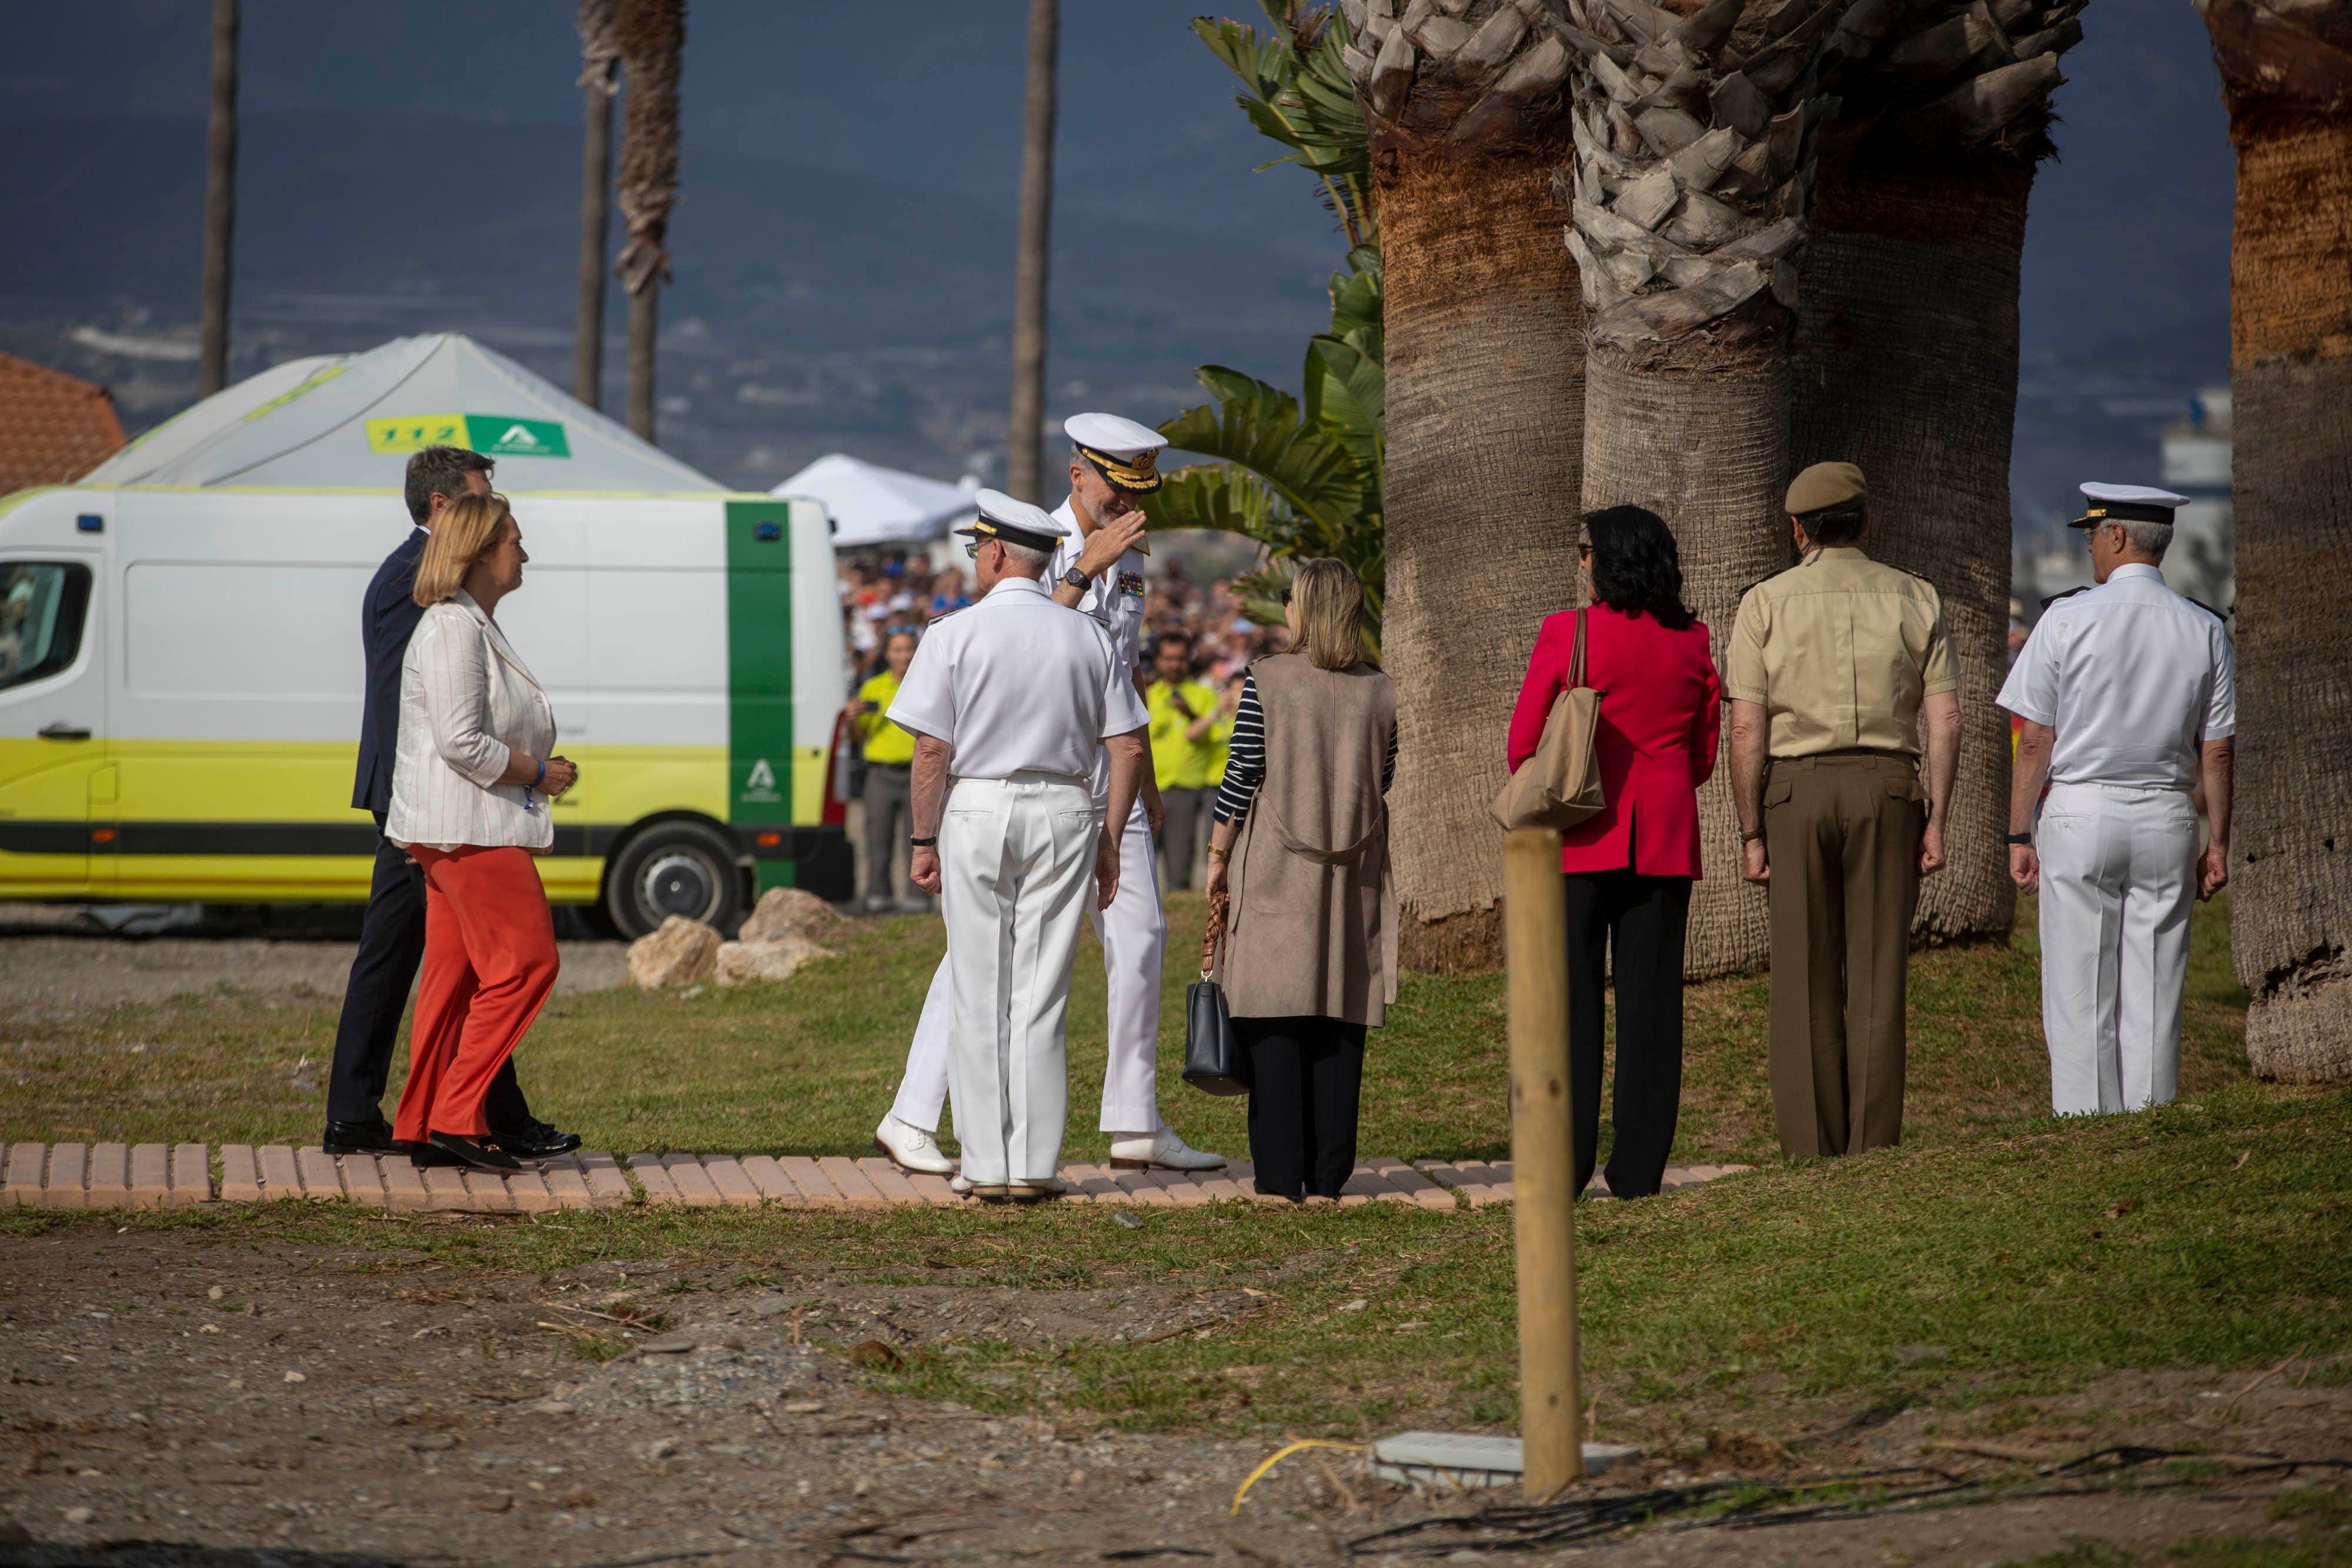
(1687,235)
(2289,86)
(1905,354)
(1907,364)
(1466,119)
(599,54)
(1485,394)
(652,37)
(220,201)
(1023,474)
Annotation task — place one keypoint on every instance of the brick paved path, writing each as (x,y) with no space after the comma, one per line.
(162,1176)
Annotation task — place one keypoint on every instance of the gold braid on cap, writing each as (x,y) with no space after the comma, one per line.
(1140,474)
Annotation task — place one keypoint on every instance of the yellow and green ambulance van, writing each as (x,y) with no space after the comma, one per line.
(180,661)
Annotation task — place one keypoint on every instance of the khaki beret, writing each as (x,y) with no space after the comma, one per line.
(1825,484)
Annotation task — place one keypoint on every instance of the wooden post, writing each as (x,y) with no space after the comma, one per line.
(220,201)
(1543,1164)
(1024,478)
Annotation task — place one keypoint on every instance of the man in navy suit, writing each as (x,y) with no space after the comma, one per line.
(392,934)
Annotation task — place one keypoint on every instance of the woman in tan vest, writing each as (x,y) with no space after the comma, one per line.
(1301,845)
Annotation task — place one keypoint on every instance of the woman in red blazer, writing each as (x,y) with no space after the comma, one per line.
(1630,868)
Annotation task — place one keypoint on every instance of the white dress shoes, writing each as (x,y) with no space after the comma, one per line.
(1140,1151)
(963,1187)
(911,1148)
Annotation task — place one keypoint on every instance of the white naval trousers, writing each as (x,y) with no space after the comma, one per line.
(1134,935)
(2118,879)
(1017,859)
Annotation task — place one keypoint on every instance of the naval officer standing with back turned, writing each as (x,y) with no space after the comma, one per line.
(2130,699)
(1010,702)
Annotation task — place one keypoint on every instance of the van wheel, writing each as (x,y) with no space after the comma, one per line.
(674,868)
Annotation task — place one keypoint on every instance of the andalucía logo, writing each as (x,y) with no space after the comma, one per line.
(492,435)
(761,785)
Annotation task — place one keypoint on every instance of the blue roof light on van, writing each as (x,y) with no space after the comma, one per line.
(91,523)
(767,533)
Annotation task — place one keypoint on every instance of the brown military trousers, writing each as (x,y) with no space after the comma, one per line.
(1841,831)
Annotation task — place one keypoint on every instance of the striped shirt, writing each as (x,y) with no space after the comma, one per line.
(1245,761)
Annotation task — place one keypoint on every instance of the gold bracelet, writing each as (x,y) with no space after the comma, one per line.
(1217,854)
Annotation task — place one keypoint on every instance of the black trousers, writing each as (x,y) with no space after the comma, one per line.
(1306,1077)
(1645,918)
(392,946)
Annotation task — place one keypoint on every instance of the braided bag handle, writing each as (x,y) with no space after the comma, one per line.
(1213,938)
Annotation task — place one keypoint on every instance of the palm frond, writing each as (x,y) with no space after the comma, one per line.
(1261,428)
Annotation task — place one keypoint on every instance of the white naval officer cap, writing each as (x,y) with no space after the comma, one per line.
(1127,454)
(2126,504)
(1015,522)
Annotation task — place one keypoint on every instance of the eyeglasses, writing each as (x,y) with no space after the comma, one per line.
(1285,599)
(1583,551)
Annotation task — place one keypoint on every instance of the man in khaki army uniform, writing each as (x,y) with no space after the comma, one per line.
(1831,666)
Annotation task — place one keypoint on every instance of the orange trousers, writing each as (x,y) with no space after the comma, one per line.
(489,962)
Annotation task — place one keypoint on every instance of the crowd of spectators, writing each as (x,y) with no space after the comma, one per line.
(1209,642)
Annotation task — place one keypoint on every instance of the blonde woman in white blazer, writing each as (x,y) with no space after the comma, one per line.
(471,782)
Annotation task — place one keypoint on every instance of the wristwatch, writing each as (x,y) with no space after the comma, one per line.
(2019,839)
(1756,837)
(1075,579)
(930,843)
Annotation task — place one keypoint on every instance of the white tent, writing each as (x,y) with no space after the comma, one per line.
(350,422)
(872,504)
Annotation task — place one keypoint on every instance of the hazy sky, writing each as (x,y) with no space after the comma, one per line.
(2129,233)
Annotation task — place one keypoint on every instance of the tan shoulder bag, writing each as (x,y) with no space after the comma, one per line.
(1560,786)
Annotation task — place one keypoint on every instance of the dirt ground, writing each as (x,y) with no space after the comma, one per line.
(56,961)
(178,1398)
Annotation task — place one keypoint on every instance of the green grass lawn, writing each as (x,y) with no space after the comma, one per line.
(809,1066)
(2216,1233)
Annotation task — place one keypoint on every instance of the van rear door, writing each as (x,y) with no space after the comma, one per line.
(52,718)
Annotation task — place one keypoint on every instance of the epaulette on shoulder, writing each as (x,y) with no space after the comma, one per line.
(2216,614)
(947,614)
(2068,595)
(1769,577)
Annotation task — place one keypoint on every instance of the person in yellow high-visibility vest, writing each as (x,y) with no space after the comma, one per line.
(889,754)
(1183,716)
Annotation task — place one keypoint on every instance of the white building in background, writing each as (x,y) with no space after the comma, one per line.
(2194,460)
(2197,464)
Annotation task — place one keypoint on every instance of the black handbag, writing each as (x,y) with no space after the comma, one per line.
(1215,1062)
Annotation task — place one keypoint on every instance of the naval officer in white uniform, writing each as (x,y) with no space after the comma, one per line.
(1098,569)
(2129,702)
(1012,703)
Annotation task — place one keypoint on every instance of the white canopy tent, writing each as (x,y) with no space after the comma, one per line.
(872,504)
(350,422)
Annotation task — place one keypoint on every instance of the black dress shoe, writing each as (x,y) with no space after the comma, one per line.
(474,1152)
(538,1141)
(425,1156)
(360,1138)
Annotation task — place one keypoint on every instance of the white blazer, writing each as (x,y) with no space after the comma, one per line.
(467,705)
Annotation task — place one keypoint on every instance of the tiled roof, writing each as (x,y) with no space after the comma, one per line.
(54,427)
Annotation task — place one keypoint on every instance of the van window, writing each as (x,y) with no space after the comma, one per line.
(42,604)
